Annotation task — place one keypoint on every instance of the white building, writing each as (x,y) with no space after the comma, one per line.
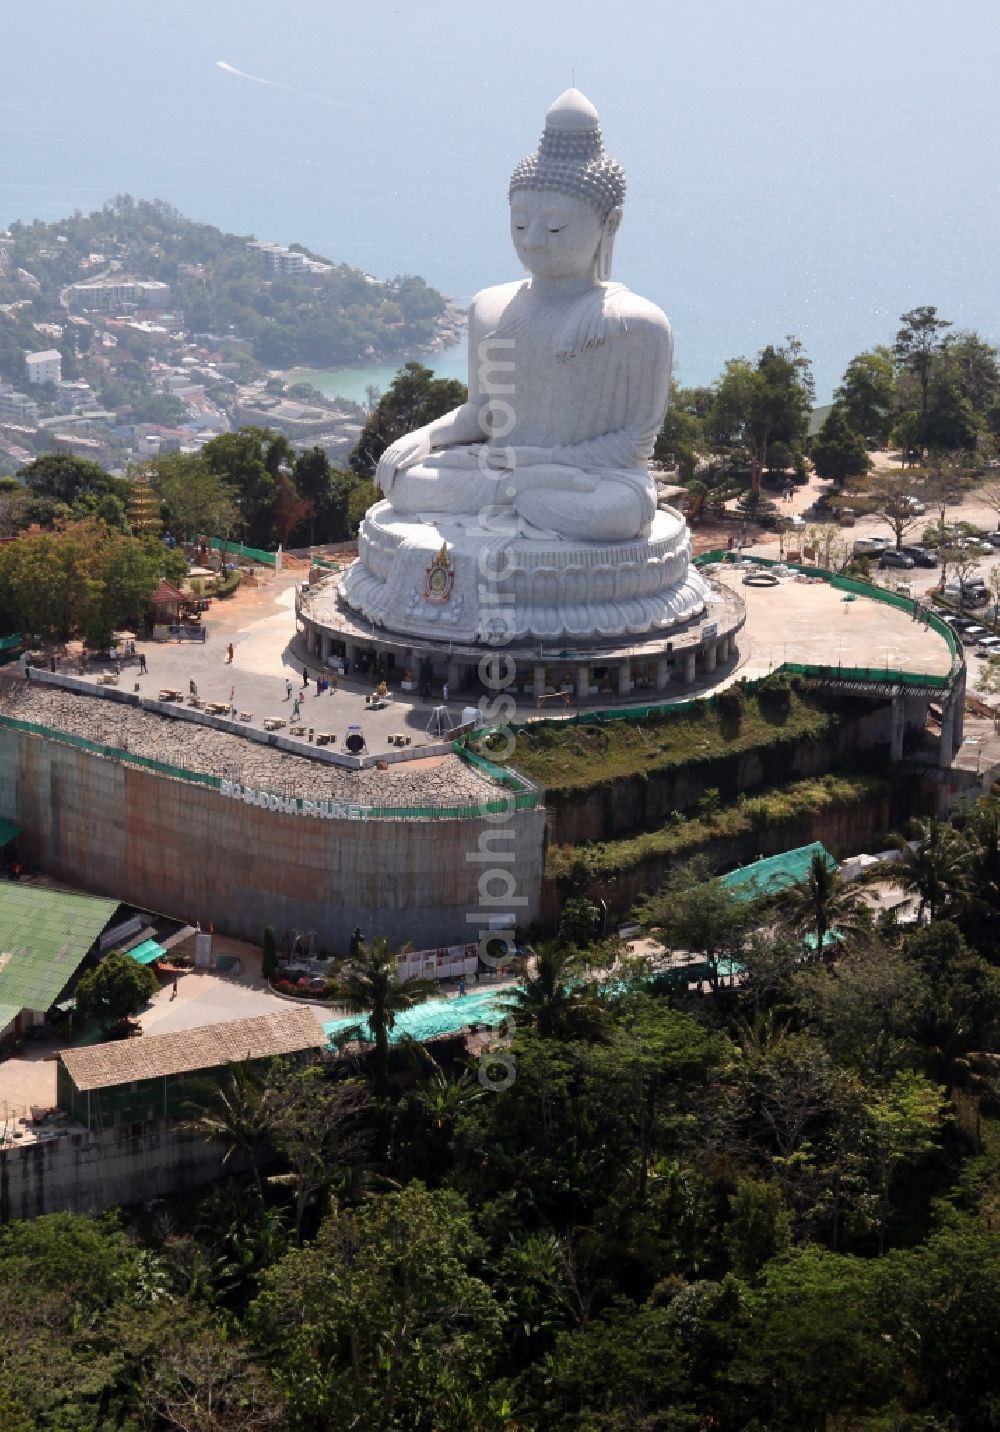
(279,259)
(108,294)
(44,367)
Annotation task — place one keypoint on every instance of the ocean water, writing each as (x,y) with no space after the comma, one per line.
(792,168)
(353,383)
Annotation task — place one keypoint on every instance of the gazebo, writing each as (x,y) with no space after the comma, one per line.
(167,602)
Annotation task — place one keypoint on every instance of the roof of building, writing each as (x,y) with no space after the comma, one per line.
(776,872)
(166,594)
(47,355)
(266,1036)
(44,935)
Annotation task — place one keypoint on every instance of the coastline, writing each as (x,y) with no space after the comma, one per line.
(447,355)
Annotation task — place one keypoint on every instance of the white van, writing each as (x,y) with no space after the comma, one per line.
(869,546)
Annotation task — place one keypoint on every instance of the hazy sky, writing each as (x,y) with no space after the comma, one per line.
(791,167)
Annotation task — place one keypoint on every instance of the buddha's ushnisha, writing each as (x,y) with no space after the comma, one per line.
(569,373)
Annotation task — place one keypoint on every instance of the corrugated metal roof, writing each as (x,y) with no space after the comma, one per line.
(209,1046)
(44,934)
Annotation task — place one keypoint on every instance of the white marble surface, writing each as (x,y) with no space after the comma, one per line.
(515,588)
(546,464)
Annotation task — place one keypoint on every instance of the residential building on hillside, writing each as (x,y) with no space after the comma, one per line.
(44,366)
(106,295)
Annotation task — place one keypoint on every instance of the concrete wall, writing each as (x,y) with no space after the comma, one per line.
(842,831)
(614,808)
(76,1171)
(195,854)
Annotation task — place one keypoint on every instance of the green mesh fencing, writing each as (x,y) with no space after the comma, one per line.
(113,753)
(523,796)
(254,554)
(8,643)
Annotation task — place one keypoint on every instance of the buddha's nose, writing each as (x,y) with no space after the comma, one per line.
(534,236)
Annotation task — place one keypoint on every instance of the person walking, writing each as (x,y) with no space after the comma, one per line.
(173,993)
(295,709)
(288,689)
(193,687)
(142,663)
(229,654)
(305,678)
(444,693)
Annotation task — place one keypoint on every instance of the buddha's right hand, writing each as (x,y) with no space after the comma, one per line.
(407,451)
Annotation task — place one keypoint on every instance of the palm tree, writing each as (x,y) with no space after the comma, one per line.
(556,998)
(369,984)
(239,1113)
(934,866)
(824,904)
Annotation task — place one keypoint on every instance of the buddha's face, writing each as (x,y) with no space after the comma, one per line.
(556,236)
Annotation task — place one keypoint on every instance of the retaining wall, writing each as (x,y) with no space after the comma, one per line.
(75,1171)
(842,830)
(190,852)
(614,808)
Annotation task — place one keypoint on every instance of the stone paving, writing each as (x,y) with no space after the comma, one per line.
(433,780)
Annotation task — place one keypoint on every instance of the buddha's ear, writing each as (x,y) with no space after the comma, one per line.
(605,249)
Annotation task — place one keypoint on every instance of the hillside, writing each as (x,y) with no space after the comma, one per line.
(325,314)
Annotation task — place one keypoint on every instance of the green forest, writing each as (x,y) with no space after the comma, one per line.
(220,287)
(765,1202)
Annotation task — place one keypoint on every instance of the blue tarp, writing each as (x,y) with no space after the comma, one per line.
(147,952)
(776,872)
(435,1016)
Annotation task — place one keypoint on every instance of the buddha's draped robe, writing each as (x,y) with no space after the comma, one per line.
(585,379)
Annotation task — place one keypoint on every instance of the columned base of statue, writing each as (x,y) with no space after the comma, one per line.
(475,580)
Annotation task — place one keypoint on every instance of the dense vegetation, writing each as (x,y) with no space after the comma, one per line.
(934,393)
(768,1207)
(220,287)
(574,758)
(693,833)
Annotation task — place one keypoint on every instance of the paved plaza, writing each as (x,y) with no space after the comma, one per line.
(797,620)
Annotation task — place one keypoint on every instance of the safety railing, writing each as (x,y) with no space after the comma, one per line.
(858,588)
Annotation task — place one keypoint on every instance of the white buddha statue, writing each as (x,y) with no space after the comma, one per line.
(528,513)
(560,433)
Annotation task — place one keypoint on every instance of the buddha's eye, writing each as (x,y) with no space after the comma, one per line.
(520,228)
(557,231)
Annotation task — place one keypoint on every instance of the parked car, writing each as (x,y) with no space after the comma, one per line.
(867,546)
(923,556)
(993,538)
(915,505)
(892,558)
(967,596)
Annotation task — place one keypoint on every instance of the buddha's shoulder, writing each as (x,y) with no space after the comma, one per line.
(639,314)
(491,304)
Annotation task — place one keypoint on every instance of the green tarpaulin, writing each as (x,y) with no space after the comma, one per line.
(9,830)
(147,952)
(776,872)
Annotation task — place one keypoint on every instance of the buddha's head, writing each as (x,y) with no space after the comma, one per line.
(565,200)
